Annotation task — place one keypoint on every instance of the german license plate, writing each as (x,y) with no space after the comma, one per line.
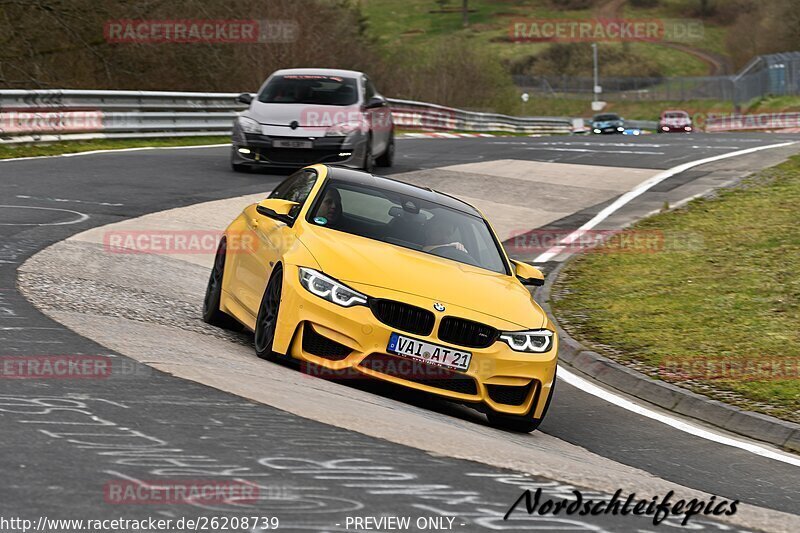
(283,143)
(427,352)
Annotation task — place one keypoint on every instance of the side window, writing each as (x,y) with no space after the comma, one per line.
(369,90)
(296,188)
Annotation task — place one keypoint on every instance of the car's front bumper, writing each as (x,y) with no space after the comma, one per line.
(496,374)
(665,128)
(608,130)
(255,149)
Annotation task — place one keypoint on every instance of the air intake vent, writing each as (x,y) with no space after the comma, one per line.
(403,316)
(466,332)
(508,394)
(321,346)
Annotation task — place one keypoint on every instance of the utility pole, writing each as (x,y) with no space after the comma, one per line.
(596,73)
(465,13)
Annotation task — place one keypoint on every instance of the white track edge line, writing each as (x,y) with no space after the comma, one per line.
(640,189)
(112,150)
(590,388)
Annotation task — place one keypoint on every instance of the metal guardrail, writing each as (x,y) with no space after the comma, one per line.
(55,115)
(420,115)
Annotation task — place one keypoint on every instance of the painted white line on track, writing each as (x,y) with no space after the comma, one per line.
(81,216)
(20,328)
(548,149)
(44,199)
(642,188)
(590,388)
(112,150)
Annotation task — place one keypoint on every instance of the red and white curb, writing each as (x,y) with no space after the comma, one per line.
(443,135)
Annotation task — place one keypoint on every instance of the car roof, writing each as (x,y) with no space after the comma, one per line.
(319,72)
(382,182)
(681,111)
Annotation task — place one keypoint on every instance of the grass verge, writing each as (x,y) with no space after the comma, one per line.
(723,290)
(400,23)
(11,151)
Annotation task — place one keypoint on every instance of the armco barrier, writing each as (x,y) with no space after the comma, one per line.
(53,115)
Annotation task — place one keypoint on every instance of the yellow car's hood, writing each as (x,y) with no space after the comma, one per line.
(350,258)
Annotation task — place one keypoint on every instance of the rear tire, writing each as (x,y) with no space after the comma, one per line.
(211,311)
(524,423)
(267,320)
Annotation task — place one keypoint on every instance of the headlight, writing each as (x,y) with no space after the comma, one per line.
(535,341)
(329,289)
(343,130)
(249,125)
(620,128)
(596,130)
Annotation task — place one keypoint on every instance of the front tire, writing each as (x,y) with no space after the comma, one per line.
(211,311)
(267,320)
(387,157)
(369,157)
(238,167)
(524,423)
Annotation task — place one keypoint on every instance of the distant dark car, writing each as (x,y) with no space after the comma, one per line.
(608,123)
(675,121)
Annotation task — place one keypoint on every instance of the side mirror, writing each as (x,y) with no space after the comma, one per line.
(375,102)
(528,274)
(244,98)
(277,209)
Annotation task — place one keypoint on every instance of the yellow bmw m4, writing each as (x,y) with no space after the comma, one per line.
(349,272)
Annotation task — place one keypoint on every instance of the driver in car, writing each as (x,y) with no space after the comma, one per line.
(330,209)
(440,230)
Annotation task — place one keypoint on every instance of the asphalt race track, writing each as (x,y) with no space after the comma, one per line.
(65,440)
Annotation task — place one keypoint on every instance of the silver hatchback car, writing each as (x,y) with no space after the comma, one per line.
(305,116)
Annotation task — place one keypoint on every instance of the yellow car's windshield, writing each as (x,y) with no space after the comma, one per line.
(408,221)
